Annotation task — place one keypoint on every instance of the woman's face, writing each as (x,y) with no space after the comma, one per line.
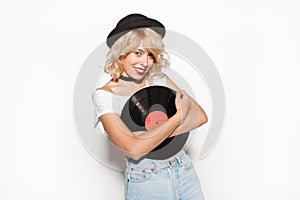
(137,63)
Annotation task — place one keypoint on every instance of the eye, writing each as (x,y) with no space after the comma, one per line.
(138,53)
(151,55)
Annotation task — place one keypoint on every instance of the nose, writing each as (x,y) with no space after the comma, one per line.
(144,60)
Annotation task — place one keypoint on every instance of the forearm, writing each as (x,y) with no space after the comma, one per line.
(148,140)
(195,118)
(137,145)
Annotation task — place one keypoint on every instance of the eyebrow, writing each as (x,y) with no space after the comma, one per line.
(141,50)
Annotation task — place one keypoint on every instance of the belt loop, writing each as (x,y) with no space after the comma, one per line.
(126,161)
(154,170)
(179,161)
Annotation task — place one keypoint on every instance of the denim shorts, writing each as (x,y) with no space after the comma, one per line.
(171,179)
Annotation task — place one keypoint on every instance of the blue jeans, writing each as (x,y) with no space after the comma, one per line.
(171,179)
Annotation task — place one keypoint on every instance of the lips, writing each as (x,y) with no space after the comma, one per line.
(140,71)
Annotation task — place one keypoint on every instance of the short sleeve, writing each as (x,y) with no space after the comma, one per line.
(103,102)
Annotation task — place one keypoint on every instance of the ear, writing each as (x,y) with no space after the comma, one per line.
(122,57)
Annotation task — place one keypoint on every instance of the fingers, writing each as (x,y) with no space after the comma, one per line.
(182,99)
(181,94)
(182,103)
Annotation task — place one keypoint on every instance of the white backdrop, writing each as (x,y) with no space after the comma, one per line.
(255,46)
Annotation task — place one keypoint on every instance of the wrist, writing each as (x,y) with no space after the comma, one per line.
(177,118)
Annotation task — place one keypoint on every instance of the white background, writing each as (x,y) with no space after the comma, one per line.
(254,44)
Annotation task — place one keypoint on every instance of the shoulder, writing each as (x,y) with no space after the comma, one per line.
(165,80)
(171,84)
(107,89)
(103,94)
(104,89)
(158,80)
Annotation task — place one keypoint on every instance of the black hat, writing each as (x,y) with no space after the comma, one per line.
(134,21)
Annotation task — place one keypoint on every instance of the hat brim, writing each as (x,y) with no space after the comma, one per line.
(117,32)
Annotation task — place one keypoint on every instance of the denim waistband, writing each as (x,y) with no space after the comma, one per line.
(157,164)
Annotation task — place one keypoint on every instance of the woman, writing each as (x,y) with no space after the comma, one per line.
(135,61)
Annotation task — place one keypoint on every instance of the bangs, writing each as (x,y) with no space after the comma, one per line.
(146,38)
(151,42)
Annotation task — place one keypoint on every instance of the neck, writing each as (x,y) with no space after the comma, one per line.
(126,78)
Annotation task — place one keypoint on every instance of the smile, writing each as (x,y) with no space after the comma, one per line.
(140,71)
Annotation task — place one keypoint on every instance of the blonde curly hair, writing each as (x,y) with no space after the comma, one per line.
(128,43)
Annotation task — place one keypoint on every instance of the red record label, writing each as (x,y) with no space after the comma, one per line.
(154,119)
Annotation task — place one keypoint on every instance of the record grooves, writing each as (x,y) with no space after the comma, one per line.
(148,108)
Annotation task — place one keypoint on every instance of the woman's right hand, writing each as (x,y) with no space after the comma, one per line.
(183,103)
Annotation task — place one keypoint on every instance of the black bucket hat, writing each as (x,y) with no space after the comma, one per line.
(134,21)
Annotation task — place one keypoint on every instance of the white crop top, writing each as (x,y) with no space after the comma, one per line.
(107,102)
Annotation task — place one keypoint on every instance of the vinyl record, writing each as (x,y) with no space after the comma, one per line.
(148,108)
